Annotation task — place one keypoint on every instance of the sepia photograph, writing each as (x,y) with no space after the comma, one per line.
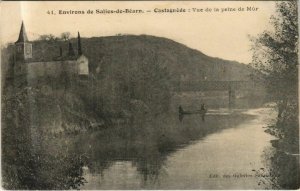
(149,95)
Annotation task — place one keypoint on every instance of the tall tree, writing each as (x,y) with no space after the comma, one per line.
(275,54)
(276,57)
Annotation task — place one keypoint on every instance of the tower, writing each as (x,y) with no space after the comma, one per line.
(23,48)
(23,52)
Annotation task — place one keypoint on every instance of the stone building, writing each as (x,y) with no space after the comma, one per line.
(29,66)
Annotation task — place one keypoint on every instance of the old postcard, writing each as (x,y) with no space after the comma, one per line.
(142,95)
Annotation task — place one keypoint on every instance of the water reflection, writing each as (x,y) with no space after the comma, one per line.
(146,146)
(180,117)
(148,161)
(282,170)
(151,153)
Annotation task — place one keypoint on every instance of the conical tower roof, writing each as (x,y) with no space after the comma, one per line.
(22,35)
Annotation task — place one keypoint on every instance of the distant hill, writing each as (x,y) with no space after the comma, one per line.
(114,53)
(182,62)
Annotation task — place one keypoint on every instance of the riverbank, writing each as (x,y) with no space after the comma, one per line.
(152,138)
(166,131)
(285,157)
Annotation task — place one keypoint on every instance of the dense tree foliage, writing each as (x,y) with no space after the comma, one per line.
(276,52)
(65,36)
(276,56)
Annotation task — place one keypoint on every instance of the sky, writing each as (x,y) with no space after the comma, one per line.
(217,34)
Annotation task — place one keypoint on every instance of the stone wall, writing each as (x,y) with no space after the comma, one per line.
(52,69)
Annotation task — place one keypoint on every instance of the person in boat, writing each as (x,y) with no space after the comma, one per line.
(203,111)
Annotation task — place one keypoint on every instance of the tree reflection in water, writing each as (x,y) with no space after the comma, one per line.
(57,162)
(282,170)
(135,143)
(286,169)
(146,143)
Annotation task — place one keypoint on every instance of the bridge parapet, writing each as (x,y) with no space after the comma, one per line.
(212,85)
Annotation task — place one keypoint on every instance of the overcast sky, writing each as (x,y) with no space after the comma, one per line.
(223,35)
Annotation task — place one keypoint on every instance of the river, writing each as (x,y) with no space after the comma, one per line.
(231,157)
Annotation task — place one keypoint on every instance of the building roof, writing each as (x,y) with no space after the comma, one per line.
(22,34)
(56,50)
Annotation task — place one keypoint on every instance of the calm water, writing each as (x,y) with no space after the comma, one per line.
(221,153)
